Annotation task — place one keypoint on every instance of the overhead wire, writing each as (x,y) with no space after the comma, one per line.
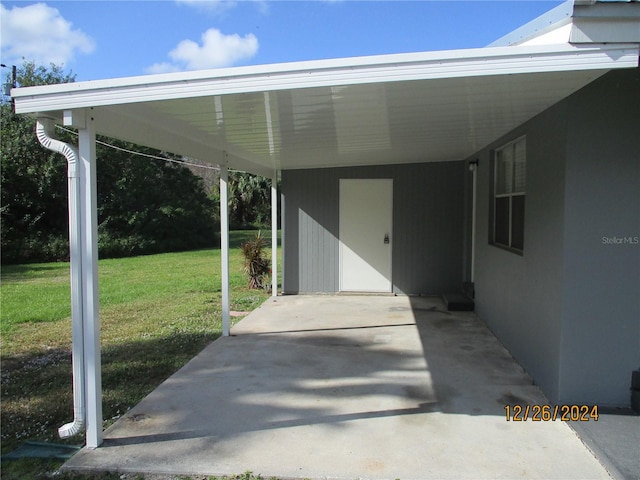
(147,155)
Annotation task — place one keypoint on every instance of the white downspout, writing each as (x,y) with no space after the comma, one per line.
(44,132)
(473,166)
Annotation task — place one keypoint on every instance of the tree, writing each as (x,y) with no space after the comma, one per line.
(148,205)
(33,203)
(144,205)
(30,75)
(249,200)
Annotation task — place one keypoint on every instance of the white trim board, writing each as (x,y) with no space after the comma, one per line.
(350,71)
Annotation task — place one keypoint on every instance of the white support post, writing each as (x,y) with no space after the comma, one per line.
(224,246)
(282,239)
(274,200)
(90,302)
(274,235)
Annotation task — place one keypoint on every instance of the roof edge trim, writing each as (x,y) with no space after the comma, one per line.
(325,73)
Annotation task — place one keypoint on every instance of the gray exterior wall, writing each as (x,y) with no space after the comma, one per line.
(601,312)
(569,307)
(520,296)
(428,226)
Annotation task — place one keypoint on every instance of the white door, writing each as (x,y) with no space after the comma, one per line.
(366,209)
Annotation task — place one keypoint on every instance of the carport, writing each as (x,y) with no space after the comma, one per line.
(395,109)
(346,387)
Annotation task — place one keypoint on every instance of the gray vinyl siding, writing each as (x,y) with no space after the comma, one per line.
(311,231)
(428,226)
(520,296)
(601,310)
(568,308)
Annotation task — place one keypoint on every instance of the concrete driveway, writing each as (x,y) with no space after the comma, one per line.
(346,387)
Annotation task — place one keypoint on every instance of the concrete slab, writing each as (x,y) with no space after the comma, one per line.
(615,440)
(346,387)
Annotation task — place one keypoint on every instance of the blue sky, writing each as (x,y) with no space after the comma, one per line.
(107,39)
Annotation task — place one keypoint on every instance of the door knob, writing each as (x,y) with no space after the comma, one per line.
(386,238)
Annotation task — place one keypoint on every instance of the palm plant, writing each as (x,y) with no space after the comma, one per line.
(256,264)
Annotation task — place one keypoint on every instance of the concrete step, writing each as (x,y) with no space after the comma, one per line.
(458,302)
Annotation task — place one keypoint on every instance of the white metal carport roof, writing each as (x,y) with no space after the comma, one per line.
(405,108)
(419,107)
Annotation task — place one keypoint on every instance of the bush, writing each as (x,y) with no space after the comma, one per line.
(256,265)
(36,247)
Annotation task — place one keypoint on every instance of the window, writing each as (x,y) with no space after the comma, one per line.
(510,164)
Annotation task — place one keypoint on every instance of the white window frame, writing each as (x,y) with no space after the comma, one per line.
(520,192)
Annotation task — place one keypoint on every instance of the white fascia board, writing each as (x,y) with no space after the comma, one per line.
(587,31)
(606,22)
(326,73)
(616,9)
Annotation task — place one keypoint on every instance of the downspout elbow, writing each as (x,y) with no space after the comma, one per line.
(72,428)
(44,132)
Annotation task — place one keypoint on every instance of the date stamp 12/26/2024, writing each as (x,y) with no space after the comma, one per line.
(550,413)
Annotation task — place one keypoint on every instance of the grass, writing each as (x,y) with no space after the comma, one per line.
(156,313)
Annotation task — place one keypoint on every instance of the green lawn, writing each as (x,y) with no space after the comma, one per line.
(156,312)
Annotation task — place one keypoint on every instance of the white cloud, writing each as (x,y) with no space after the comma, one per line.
(39,33)
(209,6)
(219,7)
(162,67)
(215,50)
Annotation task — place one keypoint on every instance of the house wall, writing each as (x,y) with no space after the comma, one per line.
(427,237)
(601,312)
(520,296)
(569,308)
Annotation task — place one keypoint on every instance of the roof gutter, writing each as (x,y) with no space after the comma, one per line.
(44,132)
(324,73)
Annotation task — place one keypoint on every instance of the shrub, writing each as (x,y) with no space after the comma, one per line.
(256,264)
